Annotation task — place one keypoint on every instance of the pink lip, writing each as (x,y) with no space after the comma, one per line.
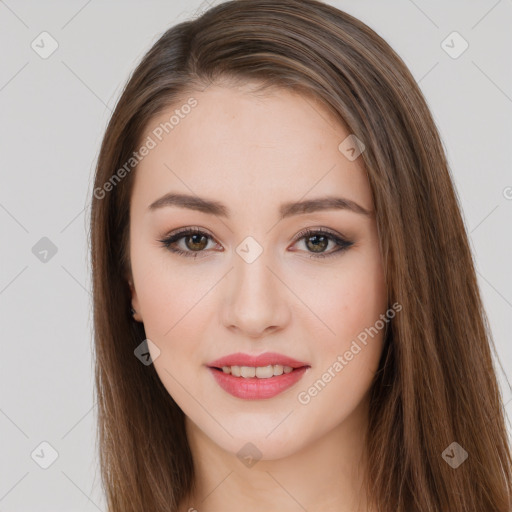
(265,359)
(253,388)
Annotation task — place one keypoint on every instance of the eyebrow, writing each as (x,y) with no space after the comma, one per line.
(288,209)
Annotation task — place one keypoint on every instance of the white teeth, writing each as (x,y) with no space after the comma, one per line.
(247,371)
(278,369)
(264,372)
(261,372)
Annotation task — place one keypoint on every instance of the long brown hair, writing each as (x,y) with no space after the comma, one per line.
(436,383)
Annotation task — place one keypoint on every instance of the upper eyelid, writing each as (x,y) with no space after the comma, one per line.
(341,242)
(339,239)
(182,232)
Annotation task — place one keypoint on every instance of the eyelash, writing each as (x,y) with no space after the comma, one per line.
(340,242)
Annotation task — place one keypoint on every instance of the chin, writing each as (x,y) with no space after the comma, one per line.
(258,438)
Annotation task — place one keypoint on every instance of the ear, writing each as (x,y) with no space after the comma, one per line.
(134,300)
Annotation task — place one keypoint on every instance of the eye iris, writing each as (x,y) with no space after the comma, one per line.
(201,244)
(323,243)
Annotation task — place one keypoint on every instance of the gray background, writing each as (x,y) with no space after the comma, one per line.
(53,114)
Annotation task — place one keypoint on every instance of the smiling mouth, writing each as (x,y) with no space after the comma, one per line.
(258,372)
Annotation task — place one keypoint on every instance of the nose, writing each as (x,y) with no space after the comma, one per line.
(256,302)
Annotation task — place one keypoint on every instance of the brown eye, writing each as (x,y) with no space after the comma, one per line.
(198,242)
(195,242)
(317,243)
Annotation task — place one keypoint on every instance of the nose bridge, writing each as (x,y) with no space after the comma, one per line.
(254,301)
(252,277)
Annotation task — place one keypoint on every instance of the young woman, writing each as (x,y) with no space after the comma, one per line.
(286,310)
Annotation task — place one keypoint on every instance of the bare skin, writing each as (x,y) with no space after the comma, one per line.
(252,153)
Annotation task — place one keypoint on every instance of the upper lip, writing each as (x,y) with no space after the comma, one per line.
(266,359)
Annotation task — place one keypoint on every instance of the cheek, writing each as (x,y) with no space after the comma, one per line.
(168,292)
(348,359)
(350,303)
(172,312)
(348,300)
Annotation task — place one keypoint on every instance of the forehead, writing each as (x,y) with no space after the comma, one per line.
(238,144)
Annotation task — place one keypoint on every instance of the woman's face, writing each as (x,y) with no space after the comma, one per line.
(252,280)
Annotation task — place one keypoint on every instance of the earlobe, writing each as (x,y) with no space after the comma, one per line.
(136,316)
(134,309)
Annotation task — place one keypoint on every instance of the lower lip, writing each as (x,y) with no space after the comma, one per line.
(253,388)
